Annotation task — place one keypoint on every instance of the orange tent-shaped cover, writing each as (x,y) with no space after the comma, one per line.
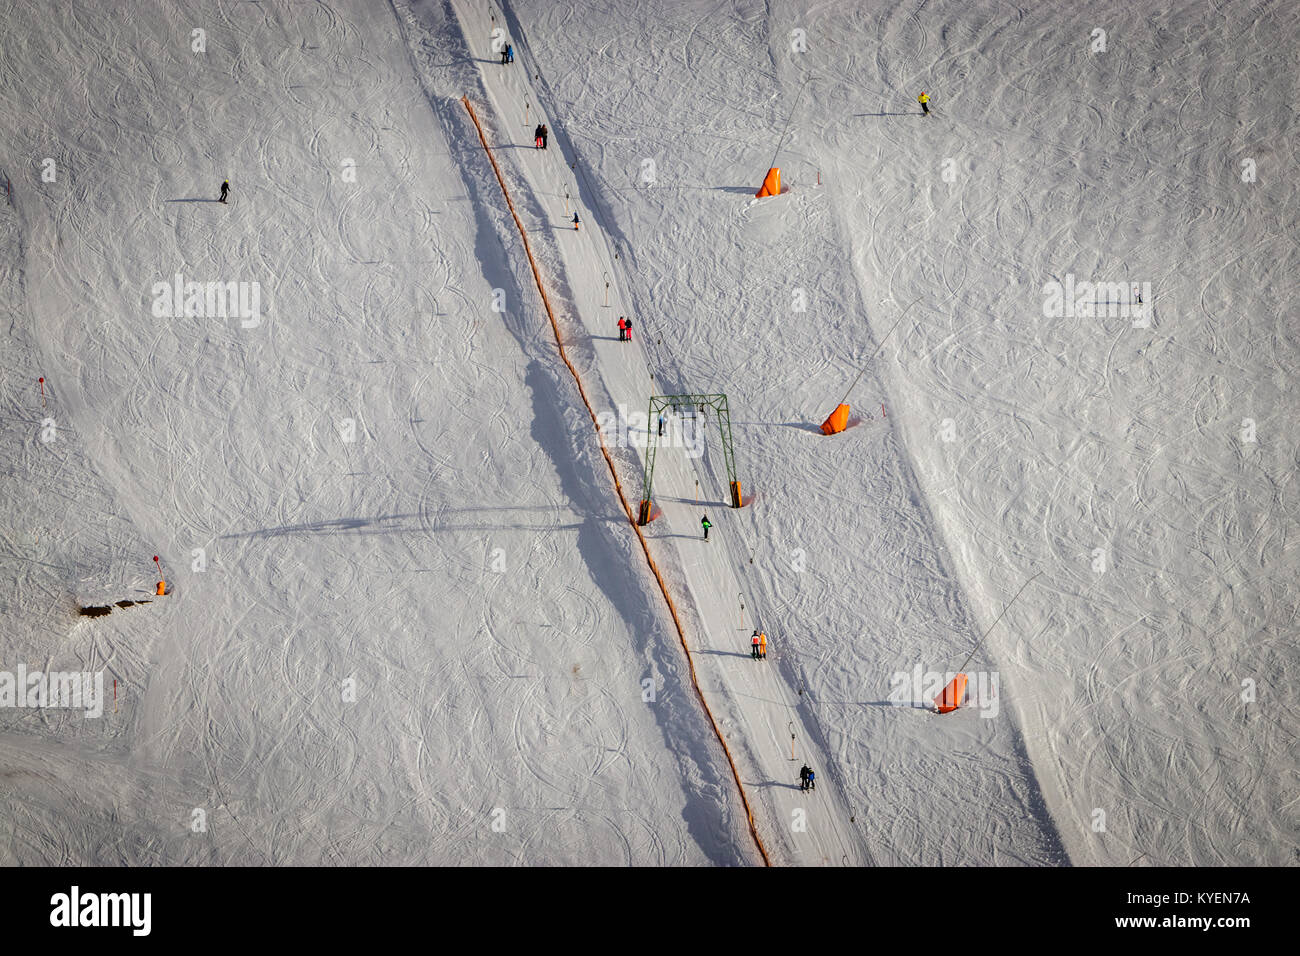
(837,422)
(952,695)
(771,184)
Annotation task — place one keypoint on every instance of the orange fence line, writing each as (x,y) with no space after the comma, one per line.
(618,485)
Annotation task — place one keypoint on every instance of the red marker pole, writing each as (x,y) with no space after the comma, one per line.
(42,381)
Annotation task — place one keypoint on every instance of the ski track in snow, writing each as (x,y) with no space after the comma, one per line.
(862,555)
(1120,691)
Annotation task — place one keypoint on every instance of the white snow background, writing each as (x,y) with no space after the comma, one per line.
(464,561)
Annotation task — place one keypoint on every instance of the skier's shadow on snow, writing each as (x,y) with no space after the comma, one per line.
(777,783)
(888,114)
(193,200)
(748,190)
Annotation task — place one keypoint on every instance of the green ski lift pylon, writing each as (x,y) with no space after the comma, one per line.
(663,403)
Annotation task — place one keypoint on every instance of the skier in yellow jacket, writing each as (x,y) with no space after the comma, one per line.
(924,100)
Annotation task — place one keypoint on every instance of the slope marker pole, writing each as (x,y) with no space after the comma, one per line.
(876,351)
(995,623)
(780,142)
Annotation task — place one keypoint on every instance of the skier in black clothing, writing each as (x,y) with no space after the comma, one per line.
(627,329)
(537,136)
(803,777)
(225,189)
(661,426)
(706,524)
(545,134)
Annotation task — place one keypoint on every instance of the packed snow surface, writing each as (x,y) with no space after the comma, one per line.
(408,620)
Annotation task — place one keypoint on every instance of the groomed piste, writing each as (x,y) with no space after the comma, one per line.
(570,423)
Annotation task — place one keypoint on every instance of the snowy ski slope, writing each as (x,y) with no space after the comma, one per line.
(1023,443)
(392,480)
(326,560)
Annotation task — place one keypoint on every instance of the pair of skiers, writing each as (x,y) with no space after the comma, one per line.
(807,779)
(507,54)
(625,335)
(540,134)
(758,646)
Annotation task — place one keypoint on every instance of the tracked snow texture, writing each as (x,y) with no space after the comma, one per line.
(465,561)
(1122,691)
(476,691)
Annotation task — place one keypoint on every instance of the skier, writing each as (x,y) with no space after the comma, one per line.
(924,100)
(510,53)
(753,646)
(812,779)
(545,134)
(706,525)
(661,425)
(622,330)
(225,189)
(803,777)
(627,329)
(762,646)
(575,221)
(537,136)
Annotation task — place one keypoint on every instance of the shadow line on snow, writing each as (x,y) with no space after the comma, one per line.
(409,524)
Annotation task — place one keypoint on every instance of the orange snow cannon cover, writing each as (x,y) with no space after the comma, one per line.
(736,500)
(952,695)
(771,185)
(838,421)
(162,587)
